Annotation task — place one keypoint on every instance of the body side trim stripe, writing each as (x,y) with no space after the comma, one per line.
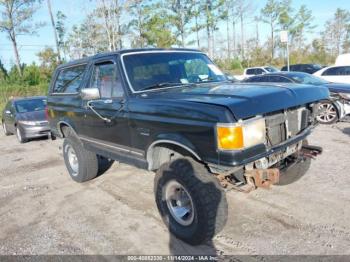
(111,146)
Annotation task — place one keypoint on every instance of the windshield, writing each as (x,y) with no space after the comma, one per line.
(271,69)
(24,106)
(163,69)
(308,79)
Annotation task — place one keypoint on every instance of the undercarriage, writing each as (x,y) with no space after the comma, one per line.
(250,178)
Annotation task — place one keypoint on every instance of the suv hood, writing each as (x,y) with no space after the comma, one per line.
(246,100)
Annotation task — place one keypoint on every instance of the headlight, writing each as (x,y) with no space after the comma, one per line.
(28,123)
(241,135)
(345,95)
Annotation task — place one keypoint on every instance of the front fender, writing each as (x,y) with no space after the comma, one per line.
(171,139)
(340,108)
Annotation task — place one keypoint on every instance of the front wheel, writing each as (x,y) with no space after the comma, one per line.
(190,200)
(328,113)
(81,164)
(20,137)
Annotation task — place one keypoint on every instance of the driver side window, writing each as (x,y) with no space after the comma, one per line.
(105,77)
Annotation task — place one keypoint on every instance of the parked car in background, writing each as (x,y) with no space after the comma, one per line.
(306,68)
(336,74)
(252,71)
(26,118)
(173,111)
(330,110)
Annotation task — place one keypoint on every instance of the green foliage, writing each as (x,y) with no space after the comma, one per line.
(180,16)
(34,81)
(233,66)
(337,32)
(3,72)
(8,90)
(157,31)
(31,75)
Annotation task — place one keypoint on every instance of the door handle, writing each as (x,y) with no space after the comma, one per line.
(89,105)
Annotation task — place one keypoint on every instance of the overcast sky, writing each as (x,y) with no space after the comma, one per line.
(75,10)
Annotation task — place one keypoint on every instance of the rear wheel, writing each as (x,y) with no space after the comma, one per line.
(328,113)
(81,164)
(190,200)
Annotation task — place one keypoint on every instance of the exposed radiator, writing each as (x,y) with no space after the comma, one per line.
(282,126)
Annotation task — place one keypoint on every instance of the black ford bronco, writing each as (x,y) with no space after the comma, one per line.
(174,112)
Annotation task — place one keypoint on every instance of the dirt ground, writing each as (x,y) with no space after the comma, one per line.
(42,211)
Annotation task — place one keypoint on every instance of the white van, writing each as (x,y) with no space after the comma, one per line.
(343,60)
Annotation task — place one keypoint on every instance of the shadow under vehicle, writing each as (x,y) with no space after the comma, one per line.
(174,112)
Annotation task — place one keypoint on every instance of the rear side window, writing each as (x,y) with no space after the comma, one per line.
(337,71)
(259,71)
(69,79)
(250,71)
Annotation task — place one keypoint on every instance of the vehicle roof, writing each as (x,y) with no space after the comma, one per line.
(283,73)
(122,51)
(302,64)
(258,67)
(327,67)
(14,99)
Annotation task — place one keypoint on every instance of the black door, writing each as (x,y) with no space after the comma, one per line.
(107,127)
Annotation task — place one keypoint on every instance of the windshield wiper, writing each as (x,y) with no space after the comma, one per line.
(160,85)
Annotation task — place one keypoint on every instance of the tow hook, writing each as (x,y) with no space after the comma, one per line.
(311,151)
(263,178)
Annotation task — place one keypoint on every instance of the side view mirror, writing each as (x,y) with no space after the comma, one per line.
(90,94)
(8,112)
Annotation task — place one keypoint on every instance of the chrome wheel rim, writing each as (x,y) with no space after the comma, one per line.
(328,113)
(72,160)
(179,203)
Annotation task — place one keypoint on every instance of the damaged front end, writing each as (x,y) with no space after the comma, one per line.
(250,178)
(285,146)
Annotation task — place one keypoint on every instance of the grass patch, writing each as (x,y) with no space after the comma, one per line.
(7,91)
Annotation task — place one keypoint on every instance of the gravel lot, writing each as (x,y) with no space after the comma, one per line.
(42,211)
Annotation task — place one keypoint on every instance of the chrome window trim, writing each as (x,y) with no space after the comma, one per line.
(147,52)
